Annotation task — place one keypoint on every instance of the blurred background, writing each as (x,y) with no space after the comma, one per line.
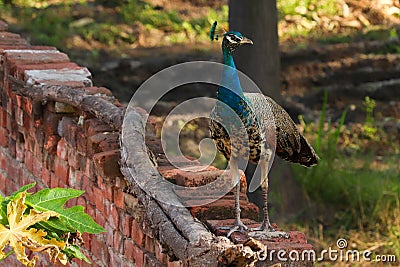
(333,64)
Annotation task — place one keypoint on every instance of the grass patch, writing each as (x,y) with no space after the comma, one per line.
(356,191)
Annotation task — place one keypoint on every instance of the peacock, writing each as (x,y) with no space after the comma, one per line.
(250,126)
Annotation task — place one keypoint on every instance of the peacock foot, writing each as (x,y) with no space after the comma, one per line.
(266,231)
(237,227)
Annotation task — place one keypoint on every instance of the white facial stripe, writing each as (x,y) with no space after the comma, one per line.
(234,38)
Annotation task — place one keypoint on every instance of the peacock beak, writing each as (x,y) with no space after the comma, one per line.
(246,40)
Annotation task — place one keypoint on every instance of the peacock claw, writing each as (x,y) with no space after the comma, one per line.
(237,227)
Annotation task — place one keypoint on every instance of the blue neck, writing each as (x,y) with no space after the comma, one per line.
(230,79)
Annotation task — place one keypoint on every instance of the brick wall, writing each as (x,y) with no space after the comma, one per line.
(58,145)
(58,130)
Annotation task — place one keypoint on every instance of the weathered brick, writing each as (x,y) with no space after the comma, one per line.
(139,257)
(46,176)
(54,181)
(61,170)
(29,160)
(174,264)
(68,129)
(107,164)
(94,126)
(100,142)
(114,216)
(129,249)
(149,244)
(126,225)
(137,233)
(62,149)
(224,209)
(50,143)
(118,198)
(109,234)
(19,71)
(31,56)
(97,91)
(98,199)
(105,187)
(4,137)
(50,122)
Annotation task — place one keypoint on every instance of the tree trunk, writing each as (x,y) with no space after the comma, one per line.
(258,20)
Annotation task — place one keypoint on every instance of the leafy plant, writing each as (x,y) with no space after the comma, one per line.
(40,223)
(369,127)
(355,192)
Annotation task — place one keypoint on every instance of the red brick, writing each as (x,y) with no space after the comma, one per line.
(106,188)
(129,249)
(46,176)
(114,218)
(68,129)
(126,225)
(12,147)
(149,244)
(98,90)
(3,117)
(137,233)
(29,160)
(12,171)
(118,198)
(73,159)
(3,161)
(224,209)
(20,152)
(115,260)
(50,122)
(4,137)
(21,68)
(98,199)
(174,264)
(81,141)
(61,170)
(139,257)
(37,167)
(54,181)
(62,149)
(50,143)
(98,246)
(38,57)
(109,234)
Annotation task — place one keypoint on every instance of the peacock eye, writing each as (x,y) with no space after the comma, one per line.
(233,38)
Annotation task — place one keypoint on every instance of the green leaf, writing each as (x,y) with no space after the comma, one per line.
(22,189)
(79,220)
(73,251)
(51,199)
(72,219)
(55,225)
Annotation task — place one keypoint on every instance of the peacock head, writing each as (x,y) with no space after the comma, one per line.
(232,40)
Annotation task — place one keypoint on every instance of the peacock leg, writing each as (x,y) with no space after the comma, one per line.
(265,230)
(239,225)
